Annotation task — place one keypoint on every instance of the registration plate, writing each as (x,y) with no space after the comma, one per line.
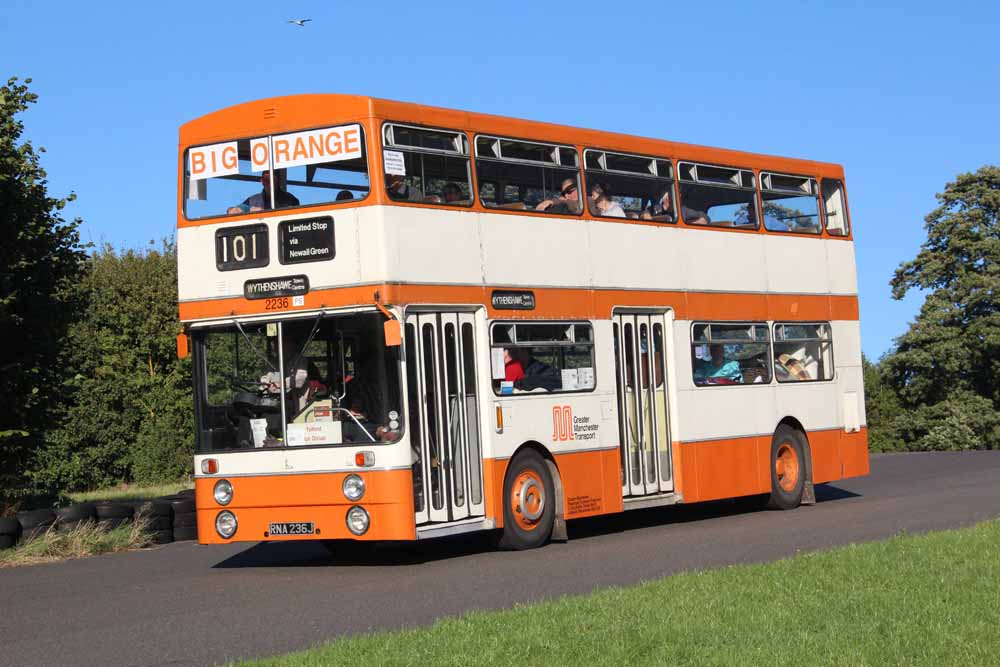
(292,528)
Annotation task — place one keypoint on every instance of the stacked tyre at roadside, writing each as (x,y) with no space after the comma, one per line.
(158,516)
(70,518)
(35,522)
(10,531)
(185,523)
(167,519)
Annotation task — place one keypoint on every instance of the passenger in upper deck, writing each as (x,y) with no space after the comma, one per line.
(345,195)
(452,193)
(601,202)
(663,209)
(262,200)
(397,188)
(568,200)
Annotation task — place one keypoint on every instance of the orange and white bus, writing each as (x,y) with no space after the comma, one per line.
(409,322)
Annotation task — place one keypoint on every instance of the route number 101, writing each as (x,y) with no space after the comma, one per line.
(243,247)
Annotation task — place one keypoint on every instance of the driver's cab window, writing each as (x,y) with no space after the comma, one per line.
(332,378)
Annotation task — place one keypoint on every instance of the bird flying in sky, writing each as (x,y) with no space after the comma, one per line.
(299,22)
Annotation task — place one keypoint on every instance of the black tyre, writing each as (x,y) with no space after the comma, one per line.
(114,510)
(35,518)
(162,536)
(9,525)
(70,526)
(184,533)
(186,493)
(153,508)
(788,468)
(7,541)
(182,505)
(158,523)
(117,522)
(35,531)
(75,513)
(528,503)
(185,520)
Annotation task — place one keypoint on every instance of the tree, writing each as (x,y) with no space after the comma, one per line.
(946,367)
(882,408)
(130,413)
(40,261)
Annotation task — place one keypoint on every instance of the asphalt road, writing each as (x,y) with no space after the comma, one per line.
(184,604)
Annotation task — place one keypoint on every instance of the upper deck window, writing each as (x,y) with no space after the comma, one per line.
(629,186)
(318,166)
(527,175)
(837,223)
(426,165)
(790,203)
(717,196)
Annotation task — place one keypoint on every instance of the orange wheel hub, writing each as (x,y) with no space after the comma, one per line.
(527,499)
(786,467)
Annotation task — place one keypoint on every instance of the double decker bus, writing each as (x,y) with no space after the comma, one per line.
(408,322)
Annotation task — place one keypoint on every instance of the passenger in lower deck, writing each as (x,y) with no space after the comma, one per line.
(536,374)
(718,369)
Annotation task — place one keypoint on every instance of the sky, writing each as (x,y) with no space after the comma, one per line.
(905,95)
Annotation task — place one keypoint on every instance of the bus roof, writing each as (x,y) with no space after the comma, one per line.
(296,112)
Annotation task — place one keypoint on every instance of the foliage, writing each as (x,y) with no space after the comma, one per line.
(882,407)
(40,261)
(130,417)
(87,539)
(946,367)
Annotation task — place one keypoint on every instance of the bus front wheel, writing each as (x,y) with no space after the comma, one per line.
(528,498)
(788,468)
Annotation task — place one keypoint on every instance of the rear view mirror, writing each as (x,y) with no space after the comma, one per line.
(182,346)
(393,333)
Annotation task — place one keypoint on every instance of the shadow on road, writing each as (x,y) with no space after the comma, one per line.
(346,553)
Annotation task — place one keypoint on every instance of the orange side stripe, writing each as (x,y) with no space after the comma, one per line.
(554,303)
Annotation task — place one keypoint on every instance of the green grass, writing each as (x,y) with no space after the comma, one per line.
(84,540)
(130,492)
(926,600)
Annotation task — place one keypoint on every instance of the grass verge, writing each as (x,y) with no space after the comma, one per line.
(84,540)
(931,599)
(130,492)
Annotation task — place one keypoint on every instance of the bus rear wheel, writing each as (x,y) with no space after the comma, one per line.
(788,468)
(528,497)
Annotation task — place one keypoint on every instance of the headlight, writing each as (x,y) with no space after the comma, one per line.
(225,524)
(223,492)
(354,488)
(358,520)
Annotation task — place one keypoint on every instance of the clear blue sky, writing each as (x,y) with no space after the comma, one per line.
(905,94)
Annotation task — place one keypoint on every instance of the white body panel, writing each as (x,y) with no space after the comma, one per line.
(386,244)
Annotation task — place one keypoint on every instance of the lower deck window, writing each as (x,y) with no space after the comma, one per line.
(730,354)
(542,357)
(803,352)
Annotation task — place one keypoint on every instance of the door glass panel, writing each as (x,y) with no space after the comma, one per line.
(649,418)
(413,406)
(632,410)
(472,414)
(663,433)
(619,389)
(454,408)
(434,433)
